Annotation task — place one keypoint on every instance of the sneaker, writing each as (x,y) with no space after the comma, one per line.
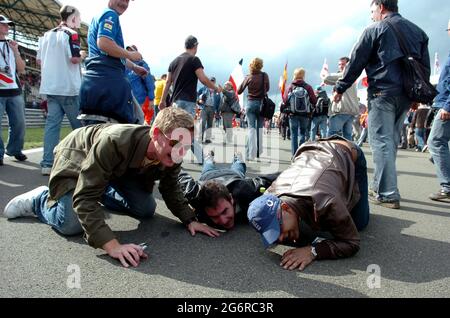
(20,157)
(238,157)
(210,156)
(441,197)
(46,171)
(394,205)
(22,205)
(425,149)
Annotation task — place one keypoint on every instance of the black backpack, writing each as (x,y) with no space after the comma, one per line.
(322,106)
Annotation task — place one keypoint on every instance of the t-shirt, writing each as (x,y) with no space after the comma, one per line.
(9,86)
(106,25)
(59,76)
(185,80)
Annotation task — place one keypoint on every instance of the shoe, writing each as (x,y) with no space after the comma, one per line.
(441,197)
(425,149)
(394,205)
(46,171)
(207,141)
(22,205)
(20,157)
(238,157)
(209,156)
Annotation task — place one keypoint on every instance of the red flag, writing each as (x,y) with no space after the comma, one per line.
(283,80)
(236,79)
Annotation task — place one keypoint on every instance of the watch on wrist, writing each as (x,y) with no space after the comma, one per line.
(313,251)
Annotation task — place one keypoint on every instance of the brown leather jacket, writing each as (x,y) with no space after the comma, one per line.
(320,185)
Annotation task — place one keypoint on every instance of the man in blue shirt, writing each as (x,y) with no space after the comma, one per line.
(105,94)
(440,134)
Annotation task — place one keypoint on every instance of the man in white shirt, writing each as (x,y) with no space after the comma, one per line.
(11,98)
(59,55)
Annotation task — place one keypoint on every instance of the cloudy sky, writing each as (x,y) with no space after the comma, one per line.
(304,33)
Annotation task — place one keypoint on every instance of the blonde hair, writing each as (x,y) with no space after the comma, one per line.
(171,118)
(256,65)
(299,74)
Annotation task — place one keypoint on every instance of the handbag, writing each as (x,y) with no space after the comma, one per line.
(416,80)
(267,108)
(236,107)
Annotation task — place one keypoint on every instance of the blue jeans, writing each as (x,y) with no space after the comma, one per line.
(438,145)
(253,146)
(57,107)
(299,126)
(420,135)
(386,117)
(362,139)
(196,147)
(124,196)
(342,125)
(319,122)
(209,166)
(15,109)
(361,212)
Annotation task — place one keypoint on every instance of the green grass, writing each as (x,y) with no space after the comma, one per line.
(34,137)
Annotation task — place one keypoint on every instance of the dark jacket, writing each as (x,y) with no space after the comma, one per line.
(88,159)
(320,184)
(378,51)
(254,82)
(243,190)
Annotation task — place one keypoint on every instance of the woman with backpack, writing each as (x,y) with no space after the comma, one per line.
(258,85)
(300,102)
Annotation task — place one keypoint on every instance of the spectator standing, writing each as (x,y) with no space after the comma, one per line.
(257,83)
(184,73)
(105,94)
(11,98)
(440,134)
(159,90)
(59,56)
(342,113)
(143,88)
(378,52)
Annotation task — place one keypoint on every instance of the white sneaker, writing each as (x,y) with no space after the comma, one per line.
(22,205)
(46,171)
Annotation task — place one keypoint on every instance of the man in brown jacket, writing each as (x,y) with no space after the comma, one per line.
(321,201)
(116,165)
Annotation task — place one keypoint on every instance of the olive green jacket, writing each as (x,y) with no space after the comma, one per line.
(90,158)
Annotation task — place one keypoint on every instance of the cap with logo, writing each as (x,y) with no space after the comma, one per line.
(264,217)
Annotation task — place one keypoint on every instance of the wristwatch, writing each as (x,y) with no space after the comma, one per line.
(313,251)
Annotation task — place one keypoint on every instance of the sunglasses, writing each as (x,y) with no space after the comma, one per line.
(172,142)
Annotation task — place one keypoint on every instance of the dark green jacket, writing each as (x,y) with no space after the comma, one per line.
(90,158)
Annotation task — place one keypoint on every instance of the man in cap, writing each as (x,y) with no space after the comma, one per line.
(318,204)
(184,72)
(60,58)
(11,98)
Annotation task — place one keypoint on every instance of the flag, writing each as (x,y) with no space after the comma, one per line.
(236,79)
(437,66)
(283,80)
(363,79)
(325,71)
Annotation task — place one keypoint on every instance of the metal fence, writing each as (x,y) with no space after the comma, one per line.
(34,118)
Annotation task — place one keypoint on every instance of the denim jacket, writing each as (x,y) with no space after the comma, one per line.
(443,99)
(378,51)
(142,87)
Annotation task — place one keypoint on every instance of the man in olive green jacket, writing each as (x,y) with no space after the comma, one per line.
(116,165)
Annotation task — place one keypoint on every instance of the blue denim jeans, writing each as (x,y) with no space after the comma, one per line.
(321,123)
(361,212)
(124,195)
(299,127)
(420,135)
(57,107)
(438,145)
(255,130)
(15,109)
(342,125)
(190,108)
(209,166)
(386,117)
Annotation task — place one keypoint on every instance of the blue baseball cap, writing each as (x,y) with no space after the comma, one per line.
(264,218)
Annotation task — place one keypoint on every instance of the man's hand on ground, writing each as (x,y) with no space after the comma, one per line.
(297,258)
(195,227)
(129,254)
